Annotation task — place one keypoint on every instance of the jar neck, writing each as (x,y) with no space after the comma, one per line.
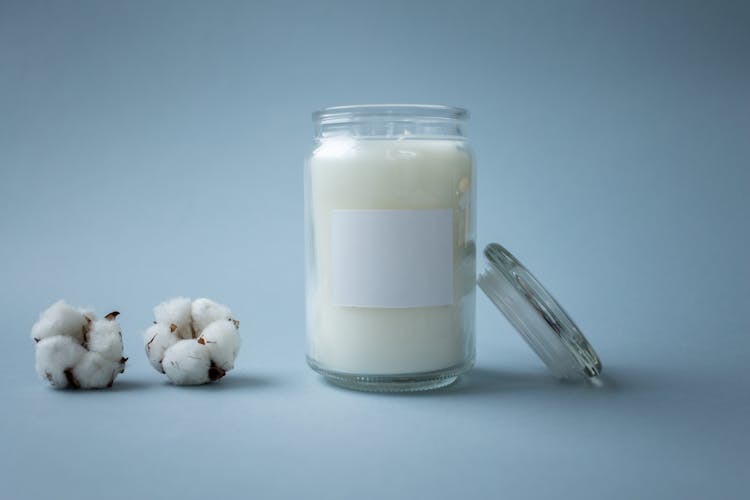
(390,121)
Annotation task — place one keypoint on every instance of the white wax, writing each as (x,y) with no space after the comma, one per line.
(375,174)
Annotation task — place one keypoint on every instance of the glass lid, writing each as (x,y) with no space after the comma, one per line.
(537,316)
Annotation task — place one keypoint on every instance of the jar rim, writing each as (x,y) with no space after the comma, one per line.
(339,114)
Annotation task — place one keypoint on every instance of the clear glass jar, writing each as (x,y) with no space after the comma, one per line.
(390,221)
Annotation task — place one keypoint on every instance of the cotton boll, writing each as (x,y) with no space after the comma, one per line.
(158,338)
(205,311)
(56,357)
(73,349)
(223,343)
(183,358)
(176,312)
(61,319)
(94,371)
(187,363)
(105,338)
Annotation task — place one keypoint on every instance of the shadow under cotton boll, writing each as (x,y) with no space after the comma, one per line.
(239,381)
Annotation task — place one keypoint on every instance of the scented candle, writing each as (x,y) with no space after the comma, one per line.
(390,247)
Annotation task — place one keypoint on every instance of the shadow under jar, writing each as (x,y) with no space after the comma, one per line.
(389,207)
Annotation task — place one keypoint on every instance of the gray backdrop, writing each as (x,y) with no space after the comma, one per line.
(153,149)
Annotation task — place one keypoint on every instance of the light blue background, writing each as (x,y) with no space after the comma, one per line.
(152,149)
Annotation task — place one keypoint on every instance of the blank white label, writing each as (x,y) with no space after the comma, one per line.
(392,258)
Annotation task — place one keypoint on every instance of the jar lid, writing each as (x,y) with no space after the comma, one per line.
(537,316)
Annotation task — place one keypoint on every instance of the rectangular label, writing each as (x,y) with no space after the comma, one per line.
(392,258)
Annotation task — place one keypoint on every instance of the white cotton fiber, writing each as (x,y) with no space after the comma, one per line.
(206,311)
(158,339)
(56,355)
(190,361)
(187,363)
(94,371)
(73,349)
(105,339)
(223,342)
(176,312)
(61,319)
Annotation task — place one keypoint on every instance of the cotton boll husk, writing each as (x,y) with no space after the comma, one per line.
(61,319)
(206,311)
(223,343)
(56,355)
(94,371)
(105,338)
(158,338)
(176,312)
(187,363)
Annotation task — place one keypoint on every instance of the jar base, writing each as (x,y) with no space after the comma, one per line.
(412,382)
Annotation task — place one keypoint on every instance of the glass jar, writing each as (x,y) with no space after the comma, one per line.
(390,222)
